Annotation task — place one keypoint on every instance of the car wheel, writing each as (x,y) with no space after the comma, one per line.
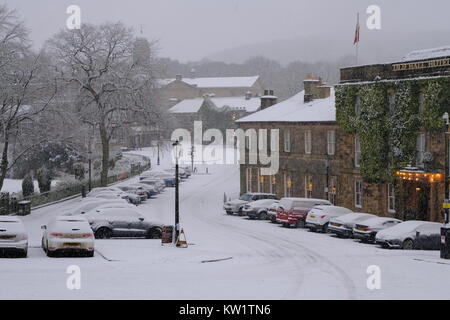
(300,224)
(240,211)
(263,215)
(286,225)
(408,244)
(229,213)
(154,233)
(103,233)
(90,254)
(273,219)
(49,253)
(325,228)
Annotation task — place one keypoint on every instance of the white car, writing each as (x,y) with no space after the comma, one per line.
(97,191)
(272,213)
(236,205)
(411,235)
(259,209)
(319,217)
(68,235)
(13,236)
(368,229)
(91,203)
(343,226)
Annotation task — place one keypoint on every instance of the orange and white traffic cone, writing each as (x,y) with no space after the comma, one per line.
(181,241)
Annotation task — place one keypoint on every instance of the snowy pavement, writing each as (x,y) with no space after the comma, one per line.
(229,257)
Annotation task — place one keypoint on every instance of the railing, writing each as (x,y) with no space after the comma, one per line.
(10,205)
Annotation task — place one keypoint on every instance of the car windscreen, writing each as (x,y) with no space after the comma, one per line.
(246,197)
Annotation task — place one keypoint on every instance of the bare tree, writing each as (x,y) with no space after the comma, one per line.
(25,90)
(111,89)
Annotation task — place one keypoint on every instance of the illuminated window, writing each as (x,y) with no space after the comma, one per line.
(308,186)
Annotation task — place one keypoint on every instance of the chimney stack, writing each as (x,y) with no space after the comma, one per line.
(315,89)
(268,99)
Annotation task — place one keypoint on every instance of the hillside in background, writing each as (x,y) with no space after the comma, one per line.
(375,47)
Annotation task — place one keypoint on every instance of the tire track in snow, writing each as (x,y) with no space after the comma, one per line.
(289,248)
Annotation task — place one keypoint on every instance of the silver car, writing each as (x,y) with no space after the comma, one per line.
(259,209)
(237,205)
(122,222)
(13,237)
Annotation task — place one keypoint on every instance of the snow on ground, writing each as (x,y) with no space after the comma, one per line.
(260,260)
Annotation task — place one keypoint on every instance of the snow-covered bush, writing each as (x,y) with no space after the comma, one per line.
(27,186)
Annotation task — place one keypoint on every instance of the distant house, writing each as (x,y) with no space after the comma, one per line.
(218,102)
(178,89)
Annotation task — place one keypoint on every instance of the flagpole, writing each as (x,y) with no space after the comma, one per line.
(357,40)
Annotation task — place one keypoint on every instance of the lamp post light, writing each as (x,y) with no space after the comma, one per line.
(176,150)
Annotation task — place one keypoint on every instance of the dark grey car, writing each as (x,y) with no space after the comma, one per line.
(123,222)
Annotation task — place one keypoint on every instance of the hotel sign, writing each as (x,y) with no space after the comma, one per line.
(436,63)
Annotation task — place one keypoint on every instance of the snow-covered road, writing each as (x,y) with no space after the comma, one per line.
(257,260)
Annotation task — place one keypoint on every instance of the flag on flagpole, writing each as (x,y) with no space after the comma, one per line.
(357,32)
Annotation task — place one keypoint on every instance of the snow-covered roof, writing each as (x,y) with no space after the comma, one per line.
(296,110)
(427,54)
(187,106)
(222,82)
(235,103)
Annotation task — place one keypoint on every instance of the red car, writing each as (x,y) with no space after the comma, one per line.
(293,211)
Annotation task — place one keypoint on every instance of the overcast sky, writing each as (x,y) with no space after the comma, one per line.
(194,29)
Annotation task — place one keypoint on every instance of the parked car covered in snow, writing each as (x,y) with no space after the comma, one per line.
(156,183)
(91,203)
(319,217)
(122,222)
(13,236)
(411,235)
(258,209)
(343,226)
(236,206)
(368,229)
(68,235)
(99,190)
(112,195)
(143,194)
(293,211)
(272,212)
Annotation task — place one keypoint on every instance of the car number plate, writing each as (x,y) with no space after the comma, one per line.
(72,245)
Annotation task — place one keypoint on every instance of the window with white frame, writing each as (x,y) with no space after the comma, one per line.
(308,186)
(358,193)
(420,149)
(249,179)
(391,197)
(358,105)
(332,190)
(287,140)
(308,141)
(357,152)
(331,142)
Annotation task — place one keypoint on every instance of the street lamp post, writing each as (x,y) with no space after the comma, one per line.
(176,147)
